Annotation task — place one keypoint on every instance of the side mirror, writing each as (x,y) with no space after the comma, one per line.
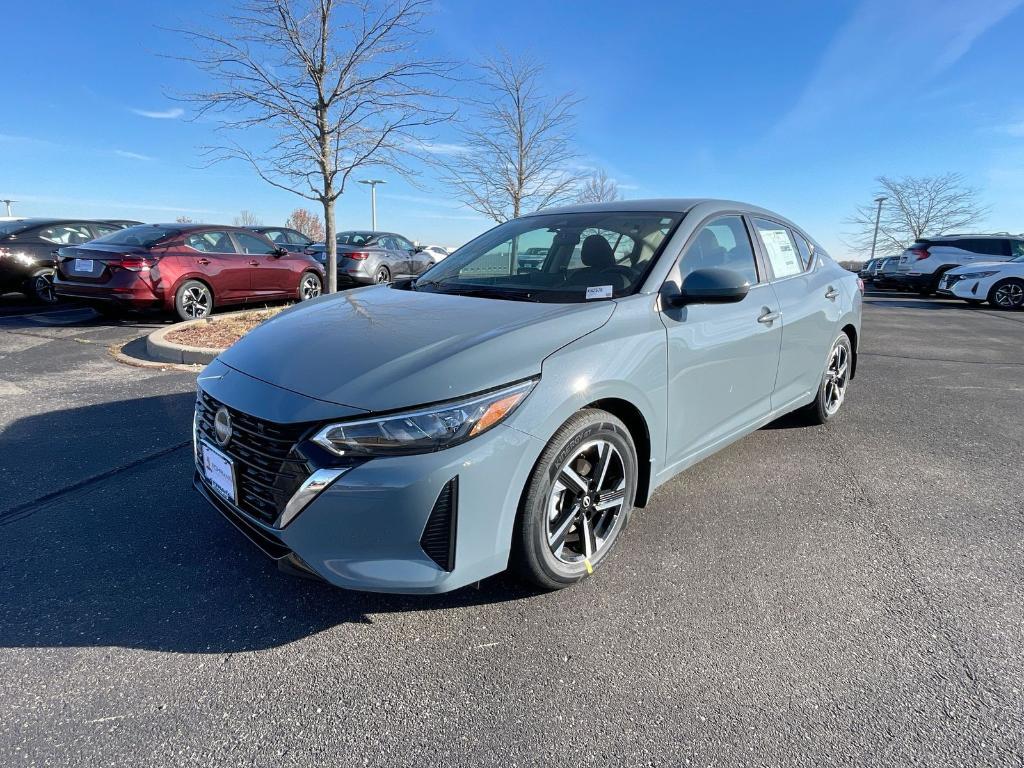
(711,286)
(280,252)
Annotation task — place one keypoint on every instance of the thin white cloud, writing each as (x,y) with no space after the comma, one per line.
(167,114)
(1013,129)
(890,48)
(441,148)
(131,155)
(78,202)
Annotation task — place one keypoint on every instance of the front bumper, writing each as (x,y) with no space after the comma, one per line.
(366,531)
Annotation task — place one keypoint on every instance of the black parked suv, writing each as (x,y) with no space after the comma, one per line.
(28,251)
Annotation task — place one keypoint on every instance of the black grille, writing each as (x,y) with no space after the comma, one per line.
(438,539)
(267,470)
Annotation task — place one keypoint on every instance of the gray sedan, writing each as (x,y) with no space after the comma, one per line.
(374,257)
(488,416)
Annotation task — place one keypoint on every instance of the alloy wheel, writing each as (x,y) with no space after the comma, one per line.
(382,276)
(195,301)
(1010,295)
(310,287)
(584,510)
(42,286)
(837,377)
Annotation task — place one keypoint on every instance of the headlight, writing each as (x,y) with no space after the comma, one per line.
(976,275)
(426,429)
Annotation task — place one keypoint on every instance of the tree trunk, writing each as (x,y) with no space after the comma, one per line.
(330,246)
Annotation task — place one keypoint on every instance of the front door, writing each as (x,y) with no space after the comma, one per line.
(722,358)
(271,274)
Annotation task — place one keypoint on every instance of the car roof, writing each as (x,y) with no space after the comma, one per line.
(681,205)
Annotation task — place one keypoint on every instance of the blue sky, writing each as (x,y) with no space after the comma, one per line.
(795,106)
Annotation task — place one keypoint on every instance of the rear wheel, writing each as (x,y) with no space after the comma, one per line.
(382,275)
(834,382)
(40,287)
(310,286)
(193,300)
(1007,294)
(577,501)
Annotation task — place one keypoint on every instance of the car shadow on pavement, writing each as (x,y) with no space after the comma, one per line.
(136,558)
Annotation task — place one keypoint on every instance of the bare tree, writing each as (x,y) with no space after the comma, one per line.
(324,87)
(598,188)
(247,219)
(518,148)
(915,206)
(306,222)
(183,220)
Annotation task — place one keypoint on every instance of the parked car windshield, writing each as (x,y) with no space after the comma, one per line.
(144,235)
(586,256)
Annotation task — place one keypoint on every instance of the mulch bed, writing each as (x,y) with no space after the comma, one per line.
(221,332)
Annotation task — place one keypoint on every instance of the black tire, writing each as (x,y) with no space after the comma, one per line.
(193,300)
(382,276)
(584,434)
(824,409)
(39,287)
(1007,294)
(306,290)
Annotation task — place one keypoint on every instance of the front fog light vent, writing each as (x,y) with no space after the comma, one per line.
(438,539)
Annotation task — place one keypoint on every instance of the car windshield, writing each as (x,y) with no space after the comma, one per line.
(354,238)
(573,257)
(143,234)
(13,227)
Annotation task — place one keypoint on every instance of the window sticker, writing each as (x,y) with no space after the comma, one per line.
(599,292)
(781,253)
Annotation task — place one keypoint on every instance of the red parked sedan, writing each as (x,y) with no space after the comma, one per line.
(184,268)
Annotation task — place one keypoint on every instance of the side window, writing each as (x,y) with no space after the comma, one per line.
(252,245)
(1018,248)
(804,248)
(724,244)
(210,242)
(297,238)
(403,244)
(778,244)
(386,242)
(66,234)
(276,236)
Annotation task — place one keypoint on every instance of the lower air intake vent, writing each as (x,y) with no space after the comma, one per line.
(438,539)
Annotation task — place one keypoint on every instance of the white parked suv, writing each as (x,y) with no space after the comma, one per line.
(1001,284)
(924,263)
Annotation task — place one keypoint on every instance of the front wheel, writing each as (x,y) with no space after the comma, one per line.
(310,286)
(1007,294)
(193,300)
(40,287)
(577,501)
(834,382)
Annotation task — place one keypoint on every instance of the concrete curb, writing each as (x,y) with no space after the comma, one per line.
(160,349)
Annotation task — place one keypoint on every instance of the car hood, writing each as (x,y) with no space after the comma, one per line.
(381,348)
(966,269)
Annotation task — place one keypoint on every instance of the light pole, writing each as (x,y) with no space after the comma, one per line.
(878,216)
(373,199)
(8,202)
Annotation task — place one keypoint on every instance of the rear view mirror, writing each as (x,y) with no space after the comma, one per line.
(711,286)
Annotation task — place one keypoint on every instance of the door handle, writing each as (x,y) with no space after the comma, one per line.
(768,317)
(204,262)
(831,294)
(254,263)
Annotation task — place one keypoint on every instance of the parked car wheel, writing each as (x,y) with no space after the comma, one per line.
(40,287)
(382,275)
(834,382)
(193,300)
(310,286)
(1007,294)
(577,501)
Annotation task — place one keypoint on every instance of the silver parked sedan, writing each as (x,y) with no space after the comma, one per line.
(374,257)
(487,416)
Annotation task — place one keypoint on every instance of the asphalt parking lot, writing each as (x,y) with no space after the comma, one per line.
(847,594)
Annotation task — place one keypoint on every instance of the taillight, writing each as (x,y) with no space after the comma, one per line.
(357,255)
(134,263)
(919,253)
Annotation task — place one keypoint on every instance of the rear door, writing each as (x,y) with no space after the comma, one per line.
(810,300)
(271,275)
(212,254)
